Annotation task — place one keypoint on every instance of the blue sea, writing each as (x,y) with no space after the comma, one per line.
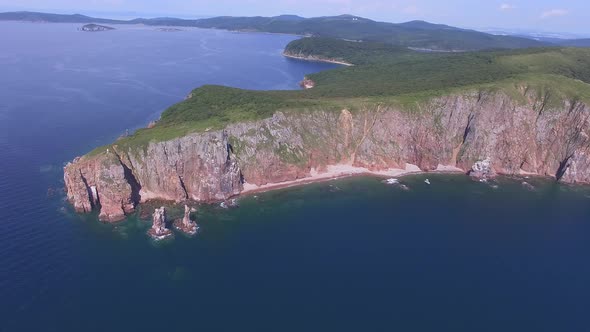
(347,255)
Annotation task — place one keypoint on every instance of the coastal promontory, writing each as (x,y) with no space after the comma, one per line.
(490,112)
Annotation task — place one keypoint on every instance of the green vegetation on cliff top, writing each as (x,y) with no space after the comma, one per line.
(386,75)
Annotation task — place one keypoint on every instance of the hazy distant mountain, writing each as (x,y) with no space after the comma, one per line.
(415,34)
(573,42)
(53,18)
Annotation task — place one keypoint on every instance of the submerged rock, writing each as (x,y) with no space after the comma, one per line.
(392,181)
(159,230)
(395,182)
(185,224)
(528,185)
(231,203)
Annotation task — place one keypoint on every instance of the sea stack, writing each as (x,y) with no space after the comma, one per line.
(159,230)
(185,224)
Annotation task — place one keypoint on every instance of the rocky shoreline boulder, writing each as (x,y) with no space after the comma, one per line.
(482,170)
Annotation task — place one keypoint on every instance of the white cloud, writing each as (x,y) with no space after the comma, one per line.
(554,13)
(507,7)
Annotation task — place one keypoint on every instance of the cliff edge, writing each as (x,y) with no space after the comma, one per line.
(515,134)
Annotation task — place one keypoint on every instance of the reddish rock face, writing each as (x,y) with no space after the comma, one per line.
(307,84)
(457,130)
(100,182)
(197,167)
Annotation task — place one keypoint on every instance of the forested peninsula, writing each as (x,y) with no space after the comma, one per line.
(394,110)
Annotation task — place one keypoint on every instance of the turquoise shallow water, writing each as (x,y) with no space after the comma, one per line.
(347,255)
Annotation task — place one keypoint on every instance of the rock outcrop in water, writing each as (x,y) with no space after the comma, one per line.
(159,230)
(185,224)
(95,28)
(515,135)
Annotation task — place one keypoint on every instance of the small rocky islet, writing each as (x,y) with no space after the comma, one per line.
(95,28)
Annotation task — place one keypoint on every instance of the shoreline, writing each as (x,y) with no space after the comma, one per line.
(297,57)
(343,171)
(336,172)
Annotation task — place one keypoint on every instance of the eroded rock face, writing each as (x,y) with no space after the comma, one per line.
(185,224)
(485,132)
(197,167)
(100,183)
(159,230)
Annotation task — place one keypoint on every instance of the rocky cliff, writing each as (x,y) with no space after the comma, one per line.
(513,134)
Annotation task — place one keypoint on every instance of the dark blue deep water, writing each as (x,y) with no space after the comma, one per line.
(347,255)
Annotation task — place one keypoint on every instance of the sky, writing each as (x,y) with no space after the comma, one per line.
(534,15)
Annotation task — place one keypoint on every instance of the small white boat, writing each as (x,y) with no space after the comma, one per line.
(427,181)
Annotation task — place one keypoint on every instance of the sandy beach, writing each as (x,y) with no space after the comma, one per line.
(317,59)
(343,171)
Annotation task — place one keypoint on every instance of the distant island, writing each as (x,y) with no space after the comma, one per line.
(169,29)
(95,28)
(413,34)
